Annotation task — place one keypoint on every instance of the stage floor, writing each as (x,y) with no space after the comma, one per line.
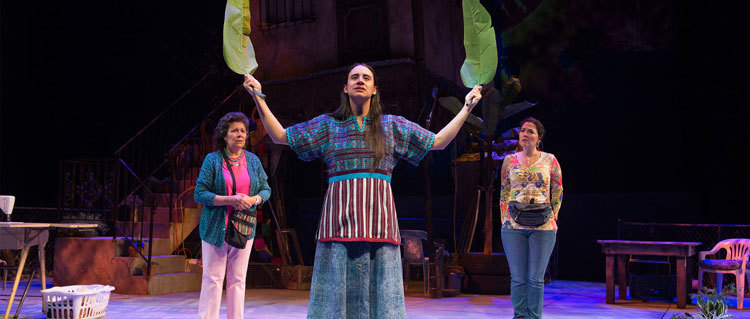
(562,299)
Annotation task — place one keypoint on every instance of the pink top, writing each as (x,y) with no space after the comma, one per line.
(243,180)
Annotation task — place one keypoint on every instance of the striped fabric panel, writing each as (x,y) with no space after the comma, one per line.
(243,221)
(360,209)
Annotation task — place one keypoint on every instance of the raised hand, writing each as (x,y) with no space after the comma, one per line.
(252,86)
(473,97)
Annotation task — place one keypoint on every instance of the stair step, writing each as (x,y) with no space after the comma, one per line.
(161,230)
(161,246)
(101,265)
(170,263)
(183,183)
(189,173)
(186,183)
(193,267)
(185,199)
(168,283)
(166,264)
(178,185)
(161,215)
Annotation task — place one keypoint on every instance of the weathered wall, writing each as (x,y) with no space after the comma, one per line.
(443,33)
(295,49)
(306,47)
(400,31)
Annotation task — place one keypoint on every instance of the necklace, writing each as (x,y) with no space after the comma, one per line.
(528,161)
(235,161)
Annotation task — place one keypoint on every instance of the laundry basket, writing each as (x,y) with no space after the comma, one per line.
(76,302)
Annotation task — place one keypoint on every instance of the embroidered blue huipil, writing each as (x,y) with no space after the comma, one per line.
(359,203)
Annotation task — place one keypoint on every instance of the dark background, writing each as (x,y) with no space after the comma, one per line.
(653,132)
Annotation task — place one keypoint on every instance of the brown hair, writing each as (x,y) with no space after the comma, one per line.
(223,127)
(374,136)
(539,131)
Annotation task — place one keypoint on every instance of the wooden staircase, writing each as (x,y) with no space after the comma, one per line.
(124,191)
(112,262)
(172,274)
(185,217)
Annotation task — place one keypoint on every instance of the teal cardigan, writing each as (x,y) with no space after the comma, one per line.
(211,183)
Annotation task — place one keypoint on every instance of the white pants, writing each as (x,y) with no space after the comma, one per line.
(217,261)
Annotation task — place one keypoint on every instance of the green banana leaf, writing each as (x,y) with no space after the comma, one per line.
(481,49)
(238,50)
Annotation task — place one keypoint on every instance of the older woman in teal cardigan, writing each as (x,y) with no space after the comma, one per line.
(215,190)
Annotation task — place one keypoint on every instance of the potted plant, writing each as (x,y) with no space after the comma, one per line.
(134,246)
(154,266)
(712,304)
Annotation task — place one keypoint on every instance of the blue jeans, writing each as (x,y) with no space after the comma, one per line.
(357,280)
(528,253)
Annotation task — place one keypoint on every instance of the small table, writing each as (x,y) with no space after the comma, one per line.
(621,248)
(19,235)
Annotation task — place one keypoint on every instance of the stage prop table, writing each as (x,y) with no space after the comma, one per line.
(19,235)
(620,249)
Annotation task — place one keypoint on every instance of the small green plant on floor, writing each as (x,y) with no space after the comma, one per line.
(712,305)
(730,290)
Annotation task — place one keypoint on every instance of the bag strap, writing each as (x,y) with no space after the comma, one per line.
(229,167)
(235,218)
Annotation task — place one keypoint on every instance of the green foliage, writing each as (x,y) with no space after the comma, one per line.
(730,289)
(238,50)
(712,305)
(481,49)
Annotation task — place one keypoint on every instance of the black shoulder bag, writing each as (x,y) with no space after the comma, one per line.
(530,214)
(241,222)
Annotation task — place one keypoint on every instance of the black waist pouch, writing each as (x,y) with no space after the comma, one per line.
(530,214)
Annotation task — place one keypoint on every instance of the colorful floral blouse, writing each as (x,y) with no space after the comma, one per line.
(542,181)
(359,203)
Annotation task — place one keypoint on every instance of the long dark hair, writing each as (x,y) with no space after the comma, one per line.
(373,136)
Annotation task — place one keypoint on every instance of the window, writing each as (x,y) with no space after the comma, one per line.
(362,30)
(276,13)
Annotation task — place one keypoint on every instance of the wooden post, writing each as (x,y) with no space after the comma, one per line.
(622,281)
(488,190)
(682,281)
(610,271)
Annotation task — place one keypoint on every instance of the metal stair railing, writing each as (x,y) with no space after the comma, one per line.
(186,156)
(120,187)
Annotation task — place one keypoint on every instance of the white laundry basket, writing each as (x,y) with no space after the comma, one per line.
(76,302)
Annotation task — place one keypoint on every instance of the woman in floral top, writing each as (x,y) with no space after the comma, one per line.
(357,269)
(529,176)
